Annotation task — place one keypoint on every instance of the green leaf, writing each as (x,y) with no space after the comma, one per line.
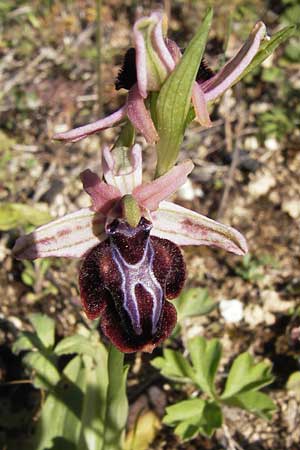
(245,375)
(255,402)
(46,375)
(212,419)
(194,416)
(268,47)
(116,402)
(94,407)
(205,356)
(173,365)
(76,408)
(174,100)
(293,383)
(76,344)
(59,424)
(26,341)
(44,327)
(13,215)
(193,302)
(187,409)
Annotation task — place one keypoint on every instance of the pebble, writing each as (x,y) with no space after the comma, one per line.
(272,144)
(262,185)
(231,310)
(292,207)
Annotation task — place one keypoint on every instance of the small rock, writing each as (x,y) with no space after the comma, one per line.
(292,207)
(186,192)
(261,185)
(231,310)
(272,144)
(251,143)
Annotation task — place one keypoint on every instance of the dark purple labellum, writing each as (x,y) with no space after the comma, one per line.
(126,279)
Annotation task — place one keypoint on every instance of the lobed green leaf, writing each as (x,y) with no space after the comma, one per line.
(193,302)
(173,365)
(245,375)
(205,356)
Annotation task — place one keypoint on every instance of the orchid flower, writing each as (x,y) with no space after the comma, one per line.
(129,241)
(147,66)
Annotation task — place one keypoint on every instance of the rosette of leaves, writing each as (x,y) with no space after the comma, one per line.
(203,414)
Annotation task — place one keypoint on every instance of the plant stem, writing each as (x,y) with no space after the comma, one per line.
(99,57)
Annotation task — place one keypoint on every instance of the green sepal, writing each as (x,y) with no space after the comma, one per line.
(131,210)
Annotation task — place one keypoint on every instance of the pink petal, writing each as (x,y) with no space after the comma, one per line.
(185,227)
(150,195)
(229,74)
(140,116)
(200,106)
(153,59)
(76,134)
(160,43)
(70,236)
(129,175)
(174,50)
(141,60)
(103,195)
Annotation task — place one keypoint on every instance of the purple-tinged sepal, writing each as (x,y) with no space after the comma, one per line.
(186,227)
(139,115)
(216,85)
(127,280)
(76,134)
(71,236)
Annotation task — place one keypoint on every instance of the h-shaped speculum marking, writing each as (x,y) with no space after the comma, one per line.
(140,273)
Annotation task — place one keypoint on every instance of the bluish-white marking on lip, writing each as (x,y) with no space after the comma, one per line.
(139,273)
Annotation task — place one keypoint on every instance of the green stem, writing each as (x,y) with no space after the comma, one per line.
(116,401)
(99,57)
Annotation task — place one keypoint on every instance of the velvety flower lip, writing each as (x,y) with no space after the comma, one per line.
(147,66)
(129,273)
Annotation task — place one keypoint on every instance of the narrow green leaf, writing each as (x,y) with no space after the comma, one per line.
(94,408)
(173,365)
(174,100)
(205,356)
(46,375)
(193,302)
(44,327)
(245,375)
(59,424)
(116,401)
(268,47)
(26,341)
(255,402)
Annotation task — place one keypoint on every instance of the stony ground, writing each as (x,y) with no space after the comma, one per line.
(246,173)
